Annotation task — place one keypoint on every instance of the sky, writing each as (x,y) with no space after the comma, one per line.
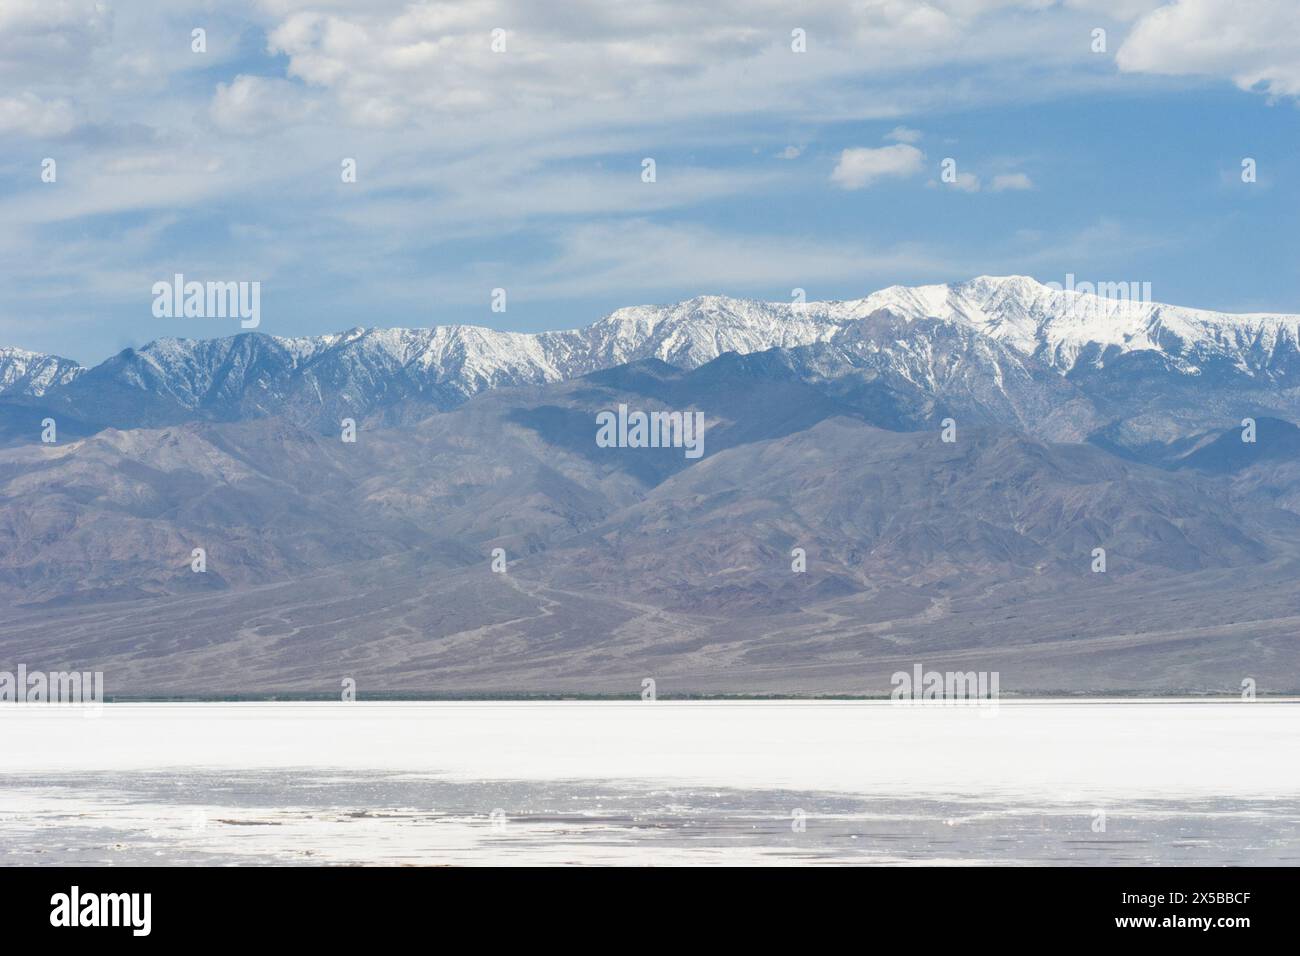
(502,145)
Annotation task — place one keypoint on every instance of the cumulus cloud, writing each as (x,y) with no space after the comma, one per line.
(861,166)
(1007,181)
(1254,43)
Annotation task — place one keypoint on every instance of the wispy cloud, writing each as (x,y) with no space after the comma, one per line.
(1012,181)
(902,134)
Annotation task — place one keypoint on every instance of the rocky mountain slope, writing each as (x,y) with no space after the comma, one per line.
(373,559)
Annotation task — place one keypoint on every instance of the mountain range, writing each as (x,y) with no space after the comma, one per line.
(990,340)
(1077,422)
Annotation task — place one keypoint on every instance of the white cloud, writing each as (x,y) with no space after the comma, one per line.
(388,62)
(1007,181)
(902,134)
(256,104)
(490,202)
(391,62)
(37,36)
(790,152)
(861,166)
(637,257)
(28,115)
(966,182)
(1255,43)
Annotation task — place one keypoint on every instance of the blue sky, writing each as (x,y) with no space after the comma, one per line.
(521,169)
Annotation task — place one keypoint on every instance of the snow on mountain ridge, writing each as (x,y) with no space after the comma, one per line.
(33,373)
(1055,327)
(1059,325)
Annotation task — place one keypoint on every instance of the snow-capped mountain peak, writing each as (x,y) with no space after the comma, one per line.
(1043,326)
(1059,324)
